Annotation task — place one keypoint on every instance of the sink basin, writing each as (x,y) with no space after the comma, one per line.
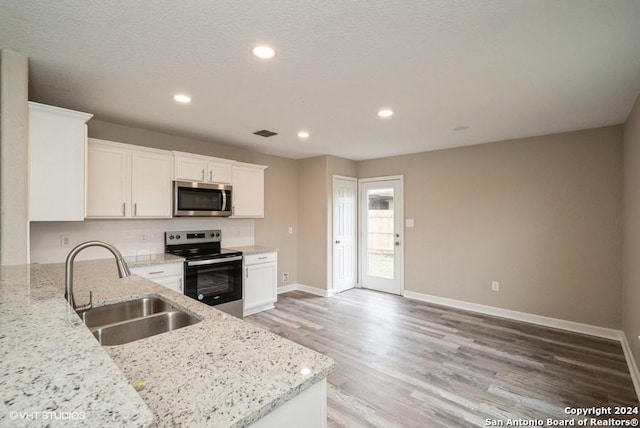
(118,312)
(125,332)
(125,322)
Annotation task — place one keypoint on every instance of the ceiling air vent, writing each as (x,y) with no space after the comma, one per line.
(265,133)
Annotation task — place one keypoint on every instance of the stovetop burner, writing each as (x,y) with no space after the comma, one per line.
(197,245)
(195,254)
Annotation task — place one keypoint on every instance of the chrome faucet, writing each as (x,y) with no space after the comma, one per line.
(123,271)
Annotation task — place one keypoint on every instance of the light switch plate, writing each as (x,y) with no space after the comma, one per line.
(409,222)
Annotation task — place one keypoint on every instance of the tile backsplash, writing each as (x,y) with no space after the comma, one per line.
(51,241)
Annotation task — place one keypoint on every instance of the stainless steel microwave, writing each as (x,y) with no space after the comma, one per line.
(193,199)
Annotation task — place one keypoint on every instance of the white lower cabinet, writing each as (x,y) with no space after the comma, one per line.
(167,274)
(308,410)
(260,282)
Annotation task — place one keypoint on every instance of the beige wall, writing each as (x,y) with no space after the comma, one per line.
(14,159)
(541,215)
(631,241)
(315,205)
(312,222)
(281,187)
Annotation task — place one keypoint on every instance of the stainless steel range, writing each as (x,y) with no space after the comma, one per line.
(212,275)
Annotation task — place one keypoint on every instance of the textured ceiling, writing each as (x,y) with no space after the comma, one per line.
(506,69)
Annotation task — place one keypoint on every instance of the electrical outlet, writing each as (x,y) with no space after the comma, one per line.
(285,276)
(65,241)
(495,286)
(290,230)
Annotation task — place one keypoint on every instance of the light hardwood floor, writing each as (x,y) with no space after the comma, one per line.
(403,363)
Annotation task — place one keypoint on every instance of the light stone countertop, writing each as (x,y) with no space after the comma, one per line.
(249,250)
(220,372)
(50,362)
(152,259)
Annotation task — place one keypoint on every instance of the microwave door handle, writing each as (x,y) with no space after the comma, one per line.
(224,200)
(214,261)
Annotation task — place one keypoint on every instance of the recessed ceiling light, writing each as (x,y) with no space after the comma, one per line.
(303,134)
(182,98)
(461,128)
(385,112)
(263,52)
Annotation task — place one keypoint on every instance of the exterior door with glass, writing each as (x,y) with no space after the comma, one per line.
(380,234)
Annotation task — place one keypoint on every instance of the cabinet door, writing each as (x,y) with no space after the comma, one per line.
(108,181)
(248,191)
(151,184)
(57,149)
(260,290)
(171,282)
(189,169)
(219,172)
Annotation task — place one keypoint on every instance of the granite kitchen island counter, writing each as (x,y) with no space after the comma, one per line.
(220,372)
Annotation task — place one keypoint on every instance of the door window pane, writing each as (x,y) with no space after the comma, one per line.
(380,239)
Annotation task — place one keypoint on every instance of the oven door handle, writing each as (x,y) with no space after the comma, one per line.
(214,261)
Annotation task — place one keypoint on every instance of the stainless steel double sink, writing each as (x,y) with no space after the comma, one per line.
(124,322)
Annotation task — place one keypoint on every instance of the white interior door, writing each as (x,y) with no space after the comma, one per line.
(344,233)
(381,240)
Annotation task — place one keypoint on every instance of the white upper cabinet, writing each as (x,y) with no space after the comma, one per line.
(248,190)
(126,181)
(190,167)
(151,184)
(57,149)
(108,180)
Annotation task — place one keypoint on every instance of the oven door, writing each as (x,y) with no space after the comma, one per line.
(214,281)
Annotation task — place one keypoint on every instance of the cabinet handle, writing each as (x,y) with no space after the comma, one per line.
(247,272)
(233,210)
(202,174)
(210,175)
(135,209)
(156,272)
(124,209)
(261,258)
(180,286)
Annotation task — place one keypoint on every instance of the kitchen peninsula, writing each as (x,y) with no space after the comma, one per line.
(219,372)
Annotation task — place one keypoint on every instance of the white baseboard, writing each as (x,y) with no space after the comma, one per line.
(287,288)
(305,288)
(576,327)
(631,362)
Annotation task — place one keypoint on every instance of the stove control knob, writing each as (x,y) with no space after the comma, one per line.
(217,234)
(171,236)
(213,234)
(200,297)
(177,236)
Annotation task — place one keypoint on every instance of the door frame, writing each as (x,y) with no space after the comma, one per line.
(330,259)
(399,211)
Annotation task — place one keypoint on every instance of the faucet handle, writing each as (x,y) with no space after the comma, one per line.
(88,305)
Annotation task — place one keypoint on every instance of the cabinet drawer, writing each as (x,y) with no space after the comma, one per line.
(158,271)
(260,258)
